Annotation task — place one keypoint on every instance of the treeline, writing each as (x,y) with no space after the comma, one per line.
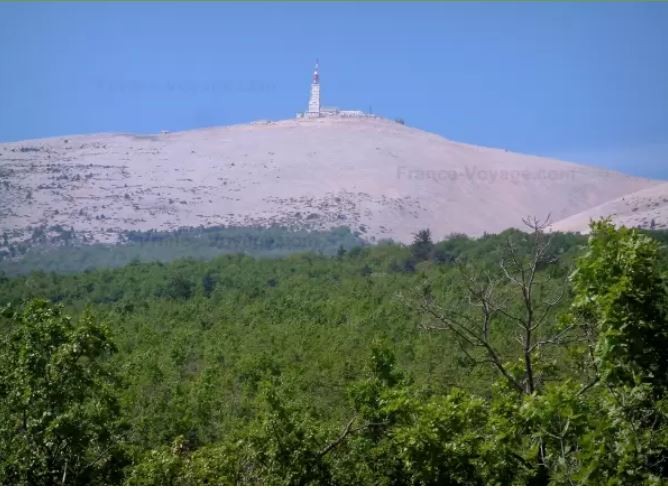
(518,358)
(55,249)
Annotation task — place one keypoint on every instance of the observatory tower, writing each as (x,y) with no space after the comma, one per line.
(316,110)
(314,99)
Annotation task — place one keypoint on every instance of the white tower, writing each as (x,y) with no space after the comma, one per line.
(314,99)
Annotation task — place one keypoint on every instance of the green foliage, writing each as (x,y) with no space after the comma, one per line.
(58,417)
(180,287)
(445,442)
(178,464)
(621,303)
(404,435)
(282,447)
(309,369)
(626,439)
(621,296)
(553,425)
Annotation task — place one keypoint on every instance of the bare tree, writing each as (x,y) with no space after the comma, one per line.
(491,298)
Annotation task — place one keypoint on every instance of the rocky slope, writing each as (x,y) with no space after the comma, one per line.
(378,177)
(646,208)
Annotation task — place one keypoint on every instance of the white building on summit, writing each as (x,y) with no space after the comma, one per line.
(314,99)
(316,110)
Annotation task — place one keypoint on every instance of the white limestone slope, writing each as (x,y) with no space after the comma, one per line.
(646,208)
(373,175)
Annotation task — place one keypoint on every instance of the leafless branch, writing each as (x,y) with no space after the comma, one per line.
(519,273)
(340,439)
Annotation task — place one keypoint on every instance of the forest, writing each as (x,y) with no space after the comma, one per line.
(61,250)
(524,357)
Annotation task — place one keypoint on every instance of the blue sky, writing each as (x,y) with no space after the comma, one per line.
(585,82)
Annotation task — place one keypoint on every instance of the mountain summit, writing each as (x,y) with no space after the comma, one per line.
(376,176)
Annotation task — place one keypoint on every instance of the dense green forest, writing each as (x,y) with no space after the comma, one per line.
(517,358)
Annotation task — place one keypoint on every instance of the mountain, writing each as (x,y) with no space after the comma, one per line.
(379,177)
(646,208)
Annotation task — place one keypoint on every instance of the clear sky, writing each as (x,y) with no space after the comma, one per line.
(585,82)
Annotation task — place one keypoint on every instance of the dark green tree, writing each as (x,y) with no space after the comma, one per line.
(58,415)
(422,246)
(620,304)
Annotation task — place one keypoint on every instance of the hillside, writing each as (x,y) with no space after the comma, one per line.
(377,177)
(646,208)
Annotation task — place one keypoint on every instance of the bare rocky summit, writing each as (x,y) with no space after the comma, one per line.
(378,177)
(646,208)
